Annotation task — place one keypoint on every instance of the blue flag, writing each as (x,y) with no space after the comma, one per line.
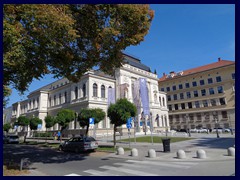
(144,96)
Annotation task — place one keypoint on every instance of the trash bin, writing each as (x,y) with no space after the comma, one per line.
(166,144)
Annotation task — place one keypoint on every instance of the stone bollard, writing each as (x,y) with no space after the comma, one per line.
(134,152)
(231,151)
(120,151)
(151,153)
(201,154)
(181,154)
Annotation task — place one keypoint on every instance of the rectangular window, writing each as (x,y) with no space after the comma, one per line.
(168,88)
(195,93)
(170,107)
(162,89)
(194,83)
(180,86)
(199,116)
(203,91)
(187,85)
(206,115)
(205,103)
(169,97)
(202,82)
(224,114)
(213,102)
(181,96)
(211,91)
(174,88)
(210,80)
(220,89)
(222,101)
(175,96)
(191,117)
(188,94)
(197,105)
(177,117)
(183,105)
(218,79)
(176,106)
(233,75)
(190,105)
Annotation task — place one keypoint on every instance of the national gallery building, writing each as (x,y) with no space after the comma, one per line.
(93,91)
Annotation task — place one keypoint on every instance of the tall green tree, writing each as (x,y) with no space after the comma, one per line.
(7,127)
(84,115)
(23,121)
(119,112)
(64,117)
(68,40)
(34,121)
(50,121)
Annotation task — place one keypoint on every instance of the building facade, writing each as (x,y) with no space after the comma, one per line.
(92,92)
(201,97)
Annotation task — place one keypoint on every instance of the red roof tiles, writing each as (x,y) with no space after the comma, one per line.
(220,63)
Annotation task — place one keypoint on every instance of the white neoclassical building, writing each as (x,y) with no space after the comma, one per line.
(92,92)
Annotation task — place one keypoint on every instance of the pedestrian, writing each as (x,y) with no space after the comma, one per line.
(58,135)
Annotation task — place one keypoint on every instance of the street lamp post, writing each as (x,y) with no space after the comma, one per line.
(188,129)
(215,116)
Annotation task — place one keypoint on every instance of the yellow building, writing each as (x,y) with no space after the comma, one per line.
(201,97)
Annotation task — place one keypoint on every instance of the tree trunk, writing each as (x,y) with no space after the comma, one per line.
(114,135)
(87,129)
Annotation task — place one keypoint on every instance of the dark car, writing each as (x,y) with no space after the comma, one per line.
(12,139)
(5,139)
(77,144)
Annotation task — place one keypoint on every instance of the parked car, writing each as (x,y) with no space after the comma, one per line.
(77,144)
(12,139)
(202,130)
(220,130)
(5,139)
(193,130)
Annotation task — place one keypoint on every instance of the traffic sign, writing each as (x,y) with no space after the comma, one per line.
(129,123)
(91,120)
(39,126)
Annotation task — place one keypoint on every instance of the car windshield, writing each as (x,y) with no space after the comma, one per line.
(13,137)
(88,139)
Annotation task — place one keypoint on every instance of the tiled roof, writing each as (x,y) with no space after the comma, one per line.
(220,63)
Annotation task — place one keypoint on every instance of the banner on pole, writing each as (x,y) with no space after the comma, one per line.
(144,96)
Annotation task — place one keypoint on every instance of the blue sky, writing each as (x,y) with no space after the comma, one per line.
(181,36)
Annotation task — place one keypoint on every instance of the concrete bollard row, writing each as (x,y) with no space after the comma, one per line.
(201,154)
(181,154)
(134,152)
(151,153)
(231,151)
(120,151)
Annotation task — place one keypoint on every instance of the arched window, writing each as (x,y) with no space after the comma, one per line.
(102,91)
(76,92)
(84,90)
(160,101)
(54,100)
(60,98)
(49,102)
(65,96)
(95,90)
(163,101)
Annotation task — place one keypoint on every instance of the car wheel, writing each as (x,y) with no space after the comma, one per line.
(60,148)
(76,150)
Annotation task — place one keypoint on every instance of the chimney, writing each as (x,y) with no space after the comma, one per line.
(164,74)
(219,59)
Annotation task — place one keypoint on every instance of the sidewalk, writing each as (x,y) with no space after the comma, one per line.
(215,148)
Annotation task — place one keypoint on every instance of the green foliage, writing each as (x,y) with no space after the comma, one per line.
(7,127)
(34,123)
(6,93)
(50,121)
(84,115)
(68,40)
(22,121)
(64,117)
(121,111)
